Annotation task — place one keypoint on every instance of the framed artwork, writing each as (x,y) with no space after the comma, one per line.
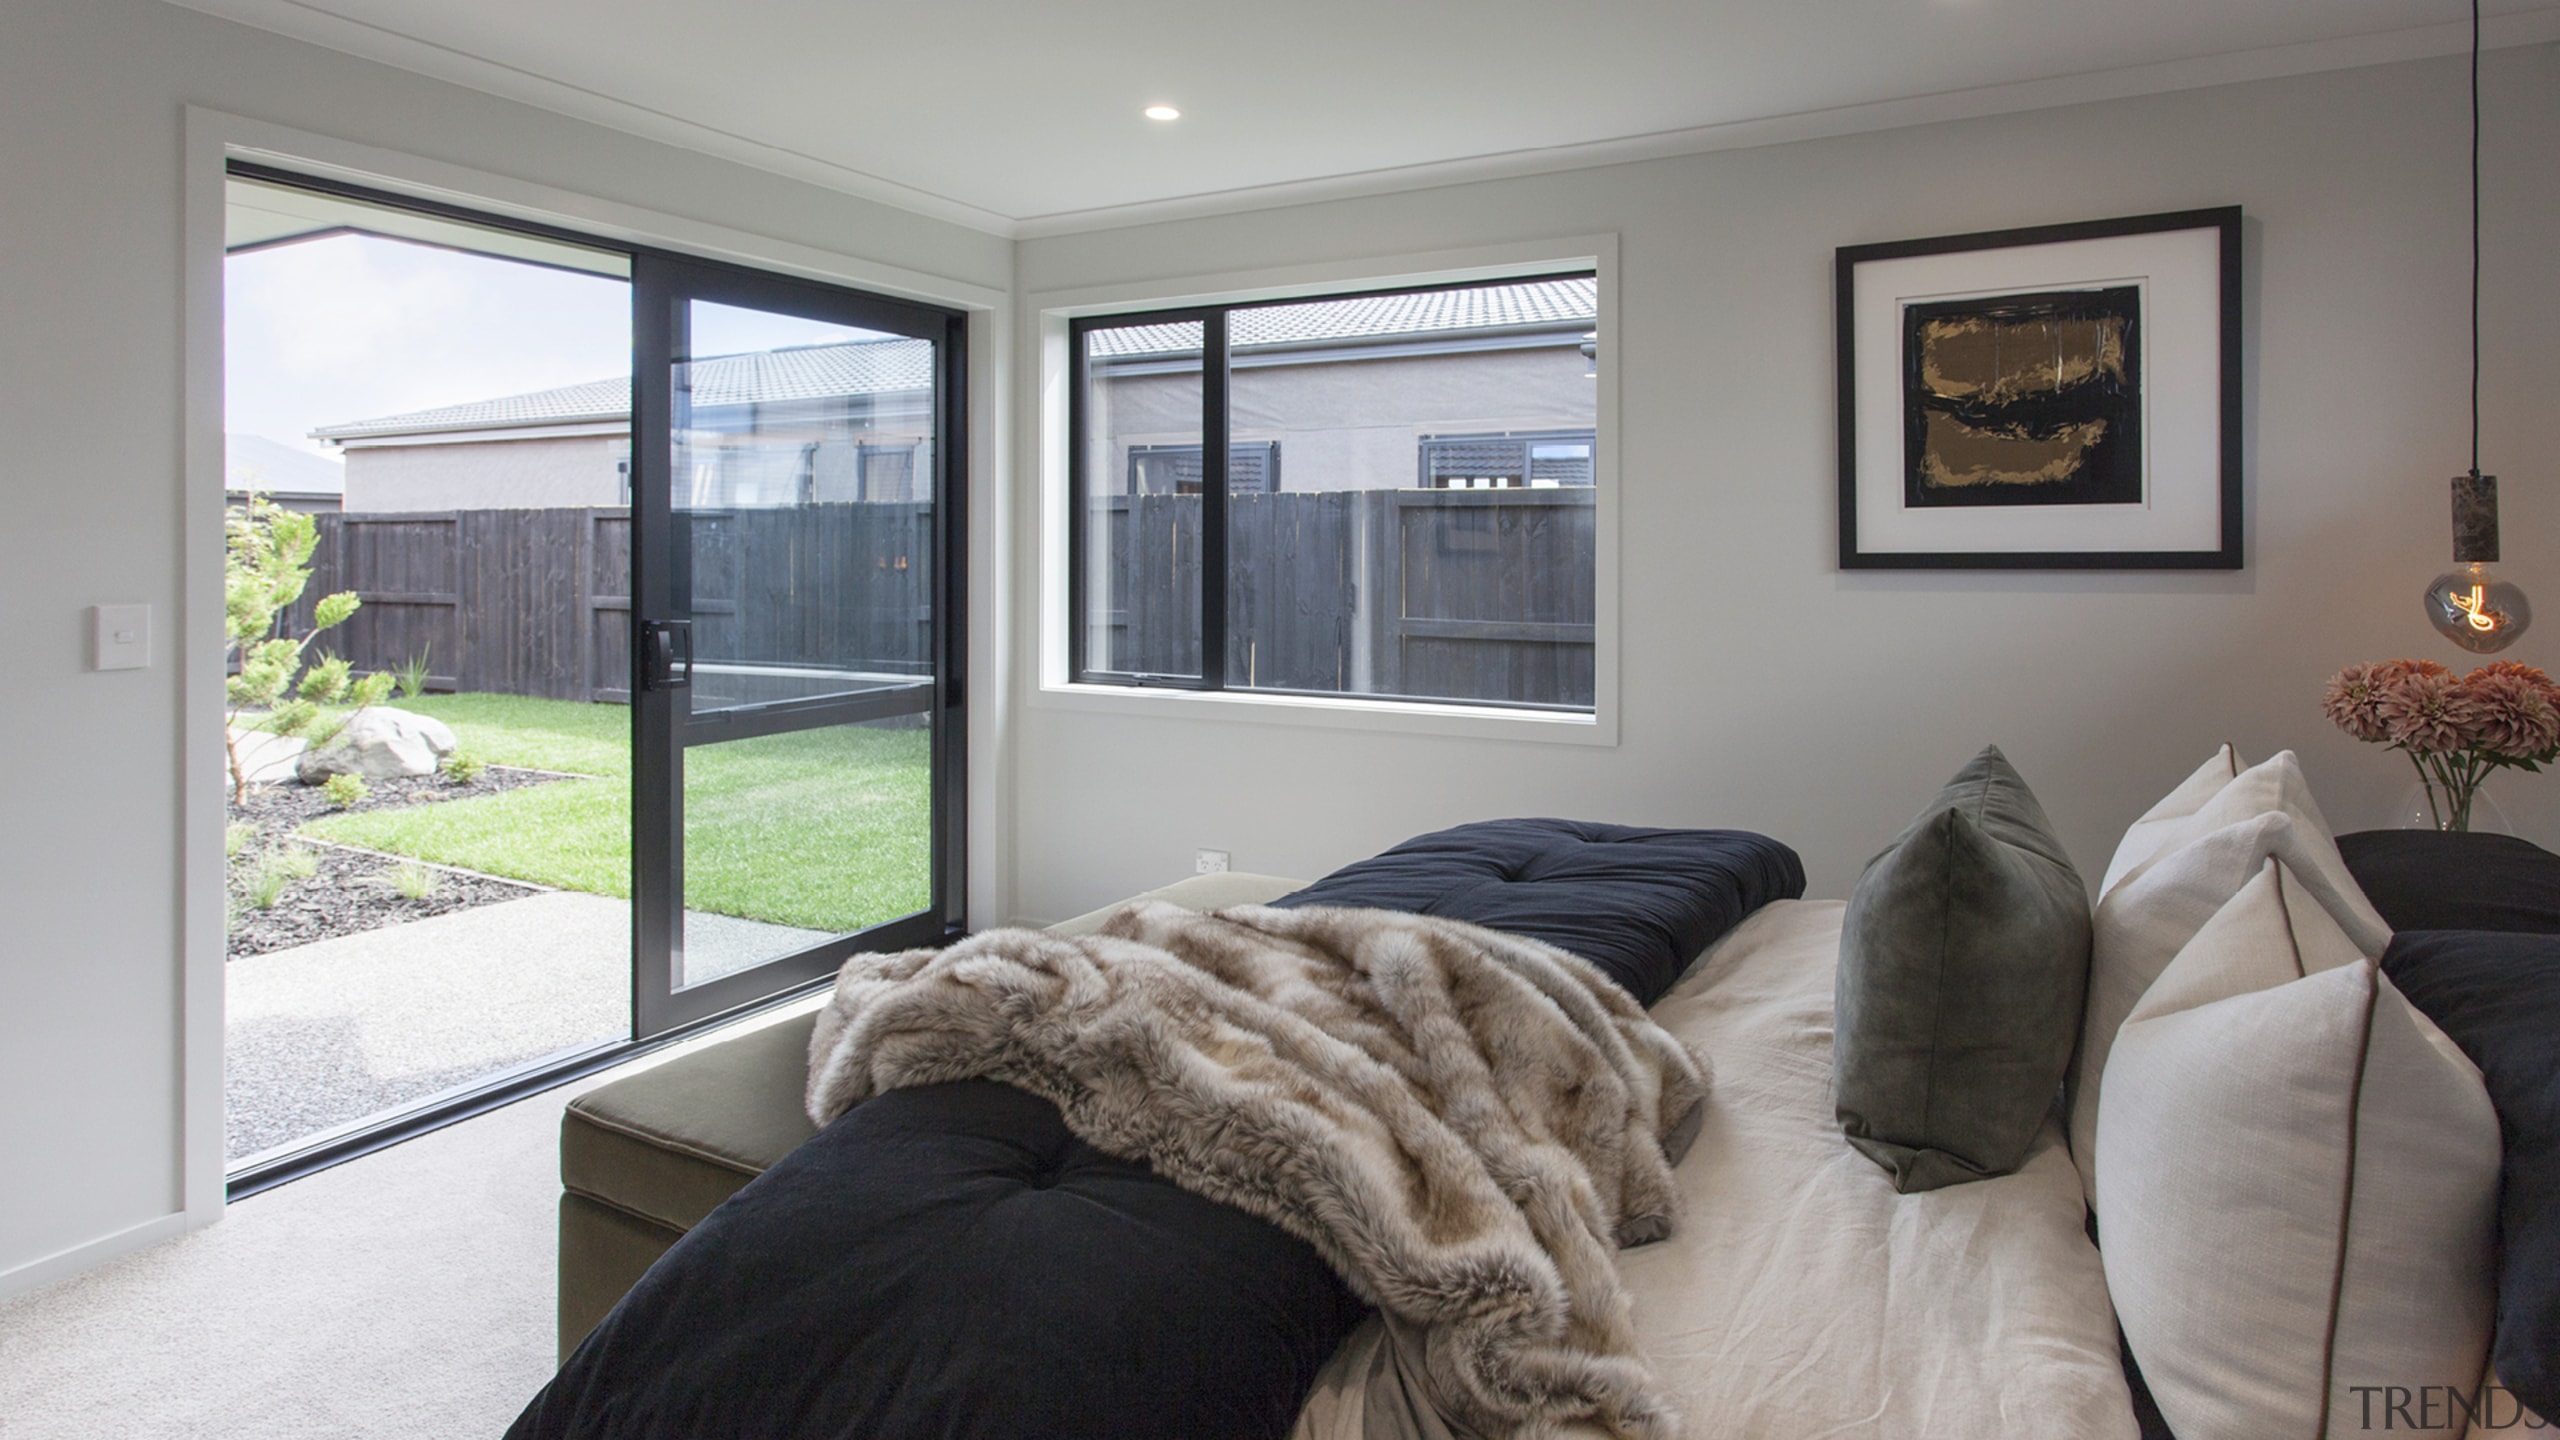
(2059,398)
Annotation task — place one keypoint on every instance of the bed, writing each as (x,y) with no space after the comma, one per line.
(1065,1292)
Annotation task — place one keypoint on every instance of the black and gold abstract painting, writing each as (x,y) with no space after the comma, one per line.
(2031,399)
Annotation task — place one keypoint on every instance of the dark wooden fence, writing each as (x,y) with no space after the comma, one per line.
(1473,595)
(538,602)
(1461,594)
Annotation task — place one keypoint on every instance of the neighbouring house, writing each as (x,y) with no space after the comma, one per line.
(1447,389)
(561,447)
(1488,388)
(812,423)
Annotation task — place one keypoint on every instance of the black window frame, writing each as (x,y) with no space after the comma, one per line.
(1216,371)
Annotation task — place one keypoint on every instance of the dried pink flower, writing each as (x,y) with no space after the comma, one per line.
(2517,715)
(2387,671)
(2427,712)
(2353,703)
(2457,730)
(2510,667)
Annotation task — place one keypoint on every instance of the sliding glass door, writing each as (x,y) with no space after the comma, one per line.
(675,562)
(797,632)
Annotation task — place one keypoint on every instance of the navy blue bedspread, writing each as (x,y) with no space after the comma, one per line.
(1640,903)
(949,1262)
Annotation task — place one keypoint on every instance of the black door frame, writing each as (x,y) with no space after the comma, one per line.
(662,286)
(949,745)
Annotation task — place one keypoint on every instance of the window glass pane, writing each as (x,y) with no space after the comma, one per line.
(1427,530)
(1140,499)
(801,490)
(803,540)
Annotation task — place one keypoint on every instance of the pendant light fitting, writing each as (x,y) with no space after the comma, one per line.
(2468,605)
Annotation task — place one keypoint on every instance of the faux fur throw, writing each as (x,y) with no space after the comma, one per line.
(1465,1124)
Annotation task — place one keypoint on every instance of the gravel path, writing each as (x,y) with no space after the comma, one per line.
(351,891)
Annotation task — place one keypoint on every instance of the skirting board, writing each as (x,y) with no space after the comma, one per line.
(63,1264)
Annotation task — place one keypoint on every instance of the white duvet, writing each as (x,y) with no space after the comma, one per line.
(1803,1297)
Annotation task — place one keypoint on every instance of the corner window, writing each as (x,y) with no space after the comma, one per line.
(1431,538)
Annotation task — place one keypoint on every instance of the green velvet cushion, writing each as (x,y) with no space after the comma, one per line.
(1964,958)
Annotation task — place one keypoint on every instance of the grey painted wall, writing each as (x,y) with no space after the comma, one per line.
(1765,688)
(91,140)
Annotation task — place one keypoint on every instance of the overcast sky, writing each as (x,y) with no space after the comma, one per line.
(353,327)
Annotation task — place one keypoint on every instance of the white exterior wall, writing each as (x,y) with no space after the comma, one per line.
(564,471)
(1357,424)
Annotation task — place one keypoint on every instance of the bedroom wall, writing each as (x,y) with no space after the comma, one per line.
(1765,688)
(91,391)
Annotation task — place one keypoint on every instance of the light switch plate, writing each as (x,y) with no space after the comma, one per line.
(119,637)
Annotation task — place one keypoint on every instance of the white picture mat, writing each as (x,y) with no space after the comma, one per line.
(2179,272)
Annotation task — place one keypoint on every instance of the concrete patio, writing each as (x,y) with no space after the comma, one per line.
(326,1034)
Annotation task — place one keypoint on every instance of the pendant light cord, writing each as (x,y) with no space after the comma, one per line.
(2475,239)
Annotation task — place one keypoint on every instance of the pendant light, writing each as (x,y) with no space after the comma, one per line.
(2468,605)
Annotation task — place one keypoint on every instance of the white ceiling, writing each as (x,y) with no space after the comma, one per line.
(1022,116)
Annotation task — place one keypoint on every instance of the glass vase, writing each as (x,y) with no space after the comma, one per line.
(2483,814)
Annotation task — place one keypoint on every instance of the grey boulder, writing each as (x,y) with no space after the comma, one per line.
(380,743)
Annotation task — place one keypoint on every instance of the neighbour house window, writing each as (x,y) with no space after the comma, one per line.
(1252,468)
(1432,537)
(1541,460)
(888,471)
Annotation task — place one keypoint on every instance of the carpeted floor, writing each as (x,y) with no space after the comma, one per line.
(405,1294)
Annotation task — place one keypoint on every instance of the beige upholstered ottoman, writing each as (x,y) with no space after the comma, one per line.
(643,1159)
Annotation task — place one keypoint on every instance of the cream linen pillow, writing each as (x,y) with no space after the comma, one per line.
(2298,1180)
(2221,793)
(2163,824)
(2165,897)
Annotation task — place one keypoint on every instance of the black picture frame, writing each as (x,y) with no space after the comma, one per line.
(2171,495)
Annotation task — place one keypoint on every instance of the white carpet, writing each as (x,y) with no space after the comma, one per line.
(406,1294)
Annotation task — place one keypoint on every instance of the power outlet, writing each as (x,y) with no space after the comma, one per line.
(1210,862)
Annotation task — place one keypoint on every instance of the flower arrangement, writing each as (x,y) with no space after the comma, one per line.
(2455,728)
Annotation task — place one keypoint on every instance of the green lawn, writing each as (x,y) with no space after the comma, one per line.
(827,829)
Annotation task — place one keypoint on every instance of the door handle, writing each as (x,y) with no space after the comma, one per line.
(666,655)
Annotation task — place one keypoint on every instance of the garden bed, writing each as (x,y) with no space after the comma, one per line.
(347,891)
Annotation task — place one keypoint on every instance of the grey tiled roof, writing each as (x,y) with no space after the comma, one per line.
(1424,312)
(764,377)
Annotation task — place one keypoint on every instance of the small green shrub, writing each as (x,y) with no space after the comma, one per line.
(414,881)
(343,791)
(236,837)
(264,887)
(267,562)
(410,676)
(462,767)
(276,871)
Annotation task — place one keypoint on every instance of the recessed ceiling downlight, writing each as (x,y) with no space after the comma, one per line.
(1163,112)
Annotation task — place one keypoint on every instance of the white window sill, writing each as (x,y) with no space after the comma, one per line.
(1333,712)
